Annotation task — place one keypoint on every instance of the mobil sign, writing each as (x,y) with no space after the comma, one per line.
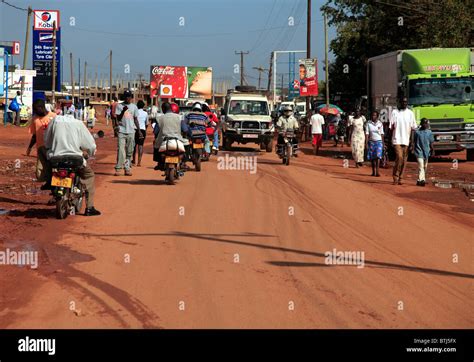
(44,19)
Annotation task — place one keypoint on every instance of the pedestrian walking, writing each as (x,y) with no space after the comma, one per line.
(127,121)
(423,149)
(91,116)
(357,137)
(39,124)
(317,122)
(17,111)
(107,115)
(113,115)
(139,141)
(374,142)
(402,123)
(341,130)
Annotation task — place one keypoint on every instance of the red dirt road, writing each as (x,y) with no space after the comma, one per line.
(231,249)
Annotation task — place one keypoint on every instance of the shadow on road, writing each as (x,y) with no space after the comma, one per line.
(218,238)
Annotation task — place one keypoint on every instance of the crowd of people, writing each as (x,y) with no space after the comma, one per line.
(371,139)
(56,134)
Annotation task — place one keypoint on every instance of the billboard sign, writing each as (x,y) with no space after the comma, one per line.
(43,50)
(14,85)
(200,82)
(168,81)
(2,73)
(308,82)
(44,19)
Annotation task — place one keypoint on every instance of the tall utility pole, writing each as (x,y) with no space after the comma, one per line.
(241,65)
(270,72)
(281,89)
(79,81)
(72,76)
(25,50)
(326,57)
(110,78)
(308,48)
(85,83)
(54,63)
(260,70)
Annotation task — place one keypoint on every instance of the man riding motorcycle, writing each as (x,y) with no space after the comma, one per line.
(67,136)
(195,122)
(286,122)
(169,125)
(212,130)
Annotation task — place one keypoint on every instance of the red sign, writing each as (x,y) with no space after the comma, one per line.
(16,48)
(308,77)
(43,19)
(168,81)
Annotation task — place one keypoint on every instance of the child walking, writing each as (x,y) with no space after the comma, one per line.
(423,149)
(374,142)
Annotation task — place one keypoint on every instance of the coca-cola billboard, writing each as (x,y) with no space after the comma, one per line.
(168,81)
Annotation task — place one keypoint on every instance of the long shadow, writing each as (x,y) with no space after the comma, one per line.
(34,213)
(215,237)
(15,201)
(141,182)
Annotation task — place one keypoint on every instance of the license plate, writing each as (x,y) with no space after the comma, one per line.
(172,160)
(250,136)
(61,182)
(198,145)
(445,138)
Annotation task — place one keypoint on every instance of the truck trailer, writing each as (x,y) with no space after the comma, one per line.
(438,83)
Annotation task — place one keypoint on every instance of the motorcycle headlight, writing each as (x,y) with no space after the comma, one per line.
(236,124)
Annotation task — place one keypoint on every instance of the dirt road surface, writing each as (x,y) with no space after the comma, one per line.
(232,249)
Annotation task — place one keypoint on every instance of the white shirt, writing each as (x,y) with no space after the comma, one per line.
(316,123)
(374,130)
(67,136)
(402,122)
(142,119)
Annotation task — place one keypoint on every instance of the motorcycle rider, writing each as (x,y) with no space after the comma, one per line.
(67,136)
(196,122)
(212,129)
(169,125)
(286,122)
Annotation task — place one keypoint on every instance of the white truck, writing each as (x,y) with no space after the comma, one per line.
(246,116)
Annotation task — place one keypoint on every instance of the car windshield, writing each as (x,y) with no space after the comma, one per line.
(440,91)
(249,107)
(300,109)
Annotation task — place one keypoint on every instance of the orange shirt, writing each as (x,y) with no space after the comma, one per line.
(38,127)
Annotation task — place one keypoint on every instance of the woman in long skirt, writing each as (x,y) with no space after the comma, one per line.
(358,138)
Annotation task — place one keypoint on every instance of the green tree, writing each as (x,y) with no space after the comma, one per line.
(368,28)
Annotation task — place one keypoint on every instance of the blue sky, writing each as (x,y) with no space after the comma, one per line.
(146,32)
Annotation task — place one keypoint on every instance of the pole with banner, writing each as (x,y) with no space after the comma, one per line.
(5,112)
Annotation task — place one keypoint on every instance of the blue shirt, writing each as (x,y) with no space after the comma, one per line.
(423,139)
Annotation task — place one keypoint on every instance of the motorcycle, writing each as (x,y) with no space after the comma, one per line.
(197,151)
(289,147)
(172,149)
(66,186)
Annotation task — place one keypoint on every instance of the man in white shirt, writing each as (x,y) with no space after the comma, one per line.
(402,122)
(67,136)
(316,123)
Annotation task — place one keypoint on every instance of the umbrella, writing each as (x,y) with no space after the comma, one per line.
(330,106)
(329,110)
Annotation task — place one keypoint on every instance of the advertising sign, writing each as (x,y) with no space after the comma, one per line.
(44,19)
(43,50)
(168,81)
(2,73)
(200,82)
(308,83)
(14,85)
(180,82)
